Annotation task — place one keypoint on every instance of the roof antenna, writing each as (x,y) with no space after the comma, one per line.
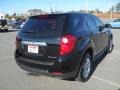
(50,7)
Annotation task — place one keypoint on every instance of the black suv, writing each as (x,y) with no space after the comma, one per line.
(3,25)
(62,45)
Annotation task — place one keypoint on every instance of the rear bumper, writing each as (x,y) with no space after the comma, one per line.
(66,68)
(46,73)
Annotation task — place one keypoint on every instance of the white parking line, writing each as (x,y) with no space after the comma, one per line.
(106,81)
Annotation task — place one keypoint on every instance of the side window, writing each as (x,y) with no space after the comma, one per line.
(76,22)
(90,24)
(117,20)
(73,23)
(98,22)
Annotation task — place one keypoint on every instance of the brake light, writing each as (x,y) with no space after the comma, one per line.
(67,44)
(17,42)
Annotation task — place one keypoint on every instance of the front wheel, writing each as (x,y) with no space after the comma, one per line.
(110,46)
(86,68)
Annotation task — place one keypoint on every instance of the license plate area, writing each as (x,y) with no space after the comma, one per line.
(33,49)
(36,50)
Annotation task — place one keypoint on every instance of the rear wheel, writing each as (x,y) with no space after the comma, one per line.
(86,68)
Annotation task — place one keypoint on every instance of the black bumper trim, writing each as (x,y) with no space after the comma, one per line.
(60,76)
(35,62)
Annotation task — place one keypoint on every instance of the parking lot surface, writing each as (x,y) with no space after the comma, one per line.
(105,77)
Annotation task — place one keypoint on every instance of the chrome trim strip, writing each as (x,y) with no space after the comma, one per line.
(34,43)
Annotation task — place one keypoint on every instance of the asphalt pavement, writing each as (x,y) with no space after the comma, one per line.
(105,77)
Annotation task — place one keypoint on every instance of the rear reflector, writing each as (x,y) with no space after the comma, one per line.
(57,73)
(67,44)
(17,42)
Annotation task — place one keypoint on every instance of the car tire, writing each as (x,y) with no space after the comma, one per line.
(86,68)
(110,45)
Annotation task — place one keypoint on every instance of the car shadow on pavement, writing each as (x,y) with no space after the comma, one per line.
(95,64)
(33,74)
(9,31)
(98,61)
(13,30)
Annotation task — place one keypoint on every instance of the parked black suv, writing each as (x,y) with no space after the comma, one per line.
(62,45)
(3,25)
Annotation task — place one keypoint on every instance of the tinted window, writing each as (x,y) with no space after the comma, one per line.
(46,26)
(97,21)
(74,24)
(90,24)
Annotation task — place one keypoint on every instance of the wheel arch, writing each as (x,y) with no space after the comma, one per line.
(91,52)
(87,45)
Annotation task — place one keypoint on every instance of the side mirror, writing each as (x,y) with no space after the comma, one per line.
(107,26)
(101,28)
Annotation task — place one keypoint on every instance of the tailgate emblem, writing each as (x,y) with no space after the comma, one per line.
(34,43)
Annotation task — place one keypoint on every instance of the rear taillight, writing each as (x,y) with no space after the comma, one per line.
(17,42)
(67,44)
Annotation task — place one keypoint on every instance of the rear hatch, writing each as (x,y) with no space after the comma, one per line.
(41,36)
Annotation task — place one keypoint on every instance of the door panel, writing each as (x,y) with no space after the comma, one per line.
(104,39)
(96,37)
(103,35)
(93,32)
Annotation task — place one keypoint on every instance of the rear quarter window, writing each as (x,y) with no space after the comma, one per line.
(74,24)
(90,25)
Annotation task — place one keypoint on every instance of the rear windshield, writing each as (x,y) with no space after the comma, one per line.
(43,26)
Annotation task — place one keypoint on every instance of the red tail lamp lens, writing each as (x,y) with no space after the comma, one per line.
(17,42)
(67,44)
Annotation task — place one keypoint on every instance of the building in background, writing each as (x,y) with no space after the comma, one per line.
(33,12)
